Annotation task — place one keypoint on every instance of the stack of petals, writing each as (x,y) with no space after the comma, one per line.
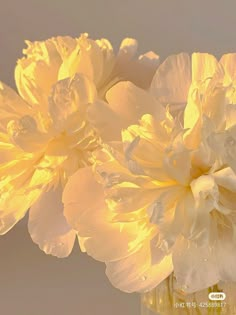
(136,159)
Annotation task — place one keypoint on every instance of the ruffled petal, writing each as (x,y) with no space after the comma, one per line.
(38,71)
(47,225)
(95,59)
(70,96)
(96,223)
(25,134)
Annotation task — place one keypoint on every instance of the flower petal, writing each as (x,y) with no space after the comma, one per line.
(172,79)
(229,61)
(226,257)
(77,198)
(106,122)
(17,194)
(70,96)
(47,225)
(140,70)
(128,47)
(195,267)
(38,71)
(136,272)
(131,102)
(24,133)
(11,106)
(224,145)
(96,223)
(204,67)
(95,59)
(125,105)
(230,113)
(226,178)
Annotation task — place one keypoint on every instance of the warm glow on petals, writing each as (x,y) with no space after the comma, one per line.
(70,96)
(139,70)
(203,67)
(79,207)
(11,106)
(77,197)
(172,79)
(38,71)
(125,105)
(48,227)
(137,273)
(135,159)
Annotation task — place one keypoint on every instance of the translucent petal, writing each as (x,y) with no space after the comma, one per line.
(136,273)
(47,225)
(172,79)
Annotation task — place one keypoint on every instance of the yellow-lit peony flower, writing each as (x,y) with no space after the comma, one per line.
(58,58)
(164,199)
(46,134)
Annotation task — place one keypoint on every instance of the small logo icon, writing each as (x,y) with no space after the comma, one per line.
(217,296)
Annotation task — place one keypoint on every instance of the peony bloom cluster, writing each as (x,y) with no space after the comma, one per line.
(135,159)
(52,126)
(163,198)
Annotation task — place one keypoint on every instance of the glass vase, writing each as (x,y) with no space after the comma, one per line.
(166,299)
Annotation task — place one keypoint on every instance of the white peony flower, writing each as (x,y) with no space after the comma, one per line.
(164,198)
(46,134)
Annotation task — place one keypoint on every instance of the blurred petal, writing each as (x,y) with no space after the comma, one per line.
(230,113)
(48,227)
(229,61)
(195,267)
(128,47)
(139,70)
(107,123)
(226,257)
(172,79)
(224,145)
(131,102)
(203,67)
(226,178)
(144,69)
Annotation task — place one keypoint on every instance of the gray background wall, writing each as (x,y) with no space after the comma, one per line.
(32,283)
